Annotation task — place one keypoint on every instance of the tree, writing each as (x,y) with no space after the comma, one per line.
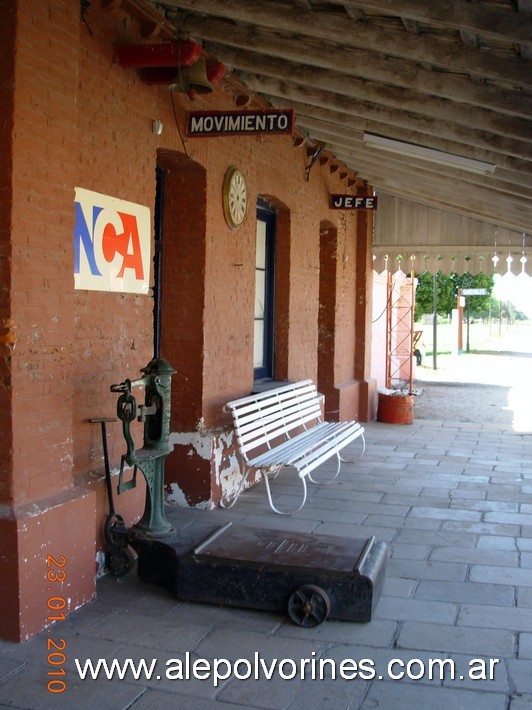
(447,291)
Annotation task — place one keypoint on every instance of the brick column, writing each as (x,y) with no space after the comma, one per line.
(367,387)
(41,513)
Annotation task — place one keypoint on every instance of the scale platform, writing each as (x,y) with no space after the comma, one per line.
(310,577)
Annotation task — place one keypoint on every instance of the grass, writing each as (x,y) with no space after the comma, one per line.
(494,336)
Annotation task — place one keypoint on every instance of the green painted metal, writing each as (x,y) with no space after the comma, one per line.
(150,458)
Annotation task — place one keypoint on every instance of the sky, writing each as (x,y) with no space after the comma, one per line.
(517,289)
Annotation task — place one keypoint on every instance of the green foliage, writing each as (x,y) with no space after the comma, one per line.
(447,290)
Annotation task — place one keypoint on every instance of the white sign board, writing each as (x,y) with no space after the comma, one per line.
(474,292)
(112,240)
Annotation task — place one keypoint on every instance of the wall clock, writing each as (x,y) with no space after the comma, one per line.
(235,197)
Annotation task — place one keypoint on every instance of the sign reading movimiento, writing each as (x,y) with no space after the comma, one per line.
(249,122)
(353,202)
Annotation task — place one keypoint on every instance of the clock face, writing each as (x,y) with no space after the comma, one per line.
(235,197)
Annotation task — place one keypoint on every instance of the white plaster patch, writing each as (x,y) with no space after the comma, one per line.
(100,563)
(176,495)
(200,443)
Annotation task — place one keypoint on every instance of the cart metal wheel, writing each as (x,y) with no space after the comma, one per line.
(119,560)
(309,606)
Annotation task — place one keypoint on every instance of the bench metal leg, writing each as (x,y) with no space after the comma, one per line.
(326,483)
(273,507)
(361,455)
(340,461)
(238,491)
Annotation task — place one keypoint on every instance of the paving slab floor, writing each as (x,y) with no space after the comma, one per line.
(453,628)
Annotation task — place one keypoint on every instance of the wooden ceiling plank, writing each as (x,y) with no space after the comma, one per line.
(280,17)
(481,211)
(340,121)
(354,147)
(491,122)
(362,63)
(393,117)
(460,189)
(475,18)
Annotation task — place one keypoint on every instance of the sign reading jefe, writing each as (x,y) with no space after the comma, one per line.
(111,244)
(353,202)
(249,122)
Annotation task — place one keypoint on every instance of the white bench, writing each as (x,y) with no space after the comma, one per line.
(282,428)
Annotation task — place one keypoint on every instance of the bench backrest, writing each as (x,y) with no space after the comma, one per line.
(264,419)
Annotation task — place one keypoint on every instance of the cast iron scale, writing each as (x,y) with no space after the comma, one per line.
(310,577)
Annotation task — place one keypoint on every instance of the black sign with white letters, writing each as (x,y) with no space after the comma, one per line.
(353,202)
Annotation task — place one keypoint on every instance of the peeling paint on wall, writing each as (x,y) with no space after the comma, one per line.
(202,444)
(218,448)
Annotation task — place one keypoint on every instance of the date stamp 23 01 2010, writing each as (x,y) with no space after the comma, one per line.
(56,574)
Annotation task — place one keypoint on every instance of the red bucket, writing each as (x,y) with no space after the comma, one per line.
(395,408)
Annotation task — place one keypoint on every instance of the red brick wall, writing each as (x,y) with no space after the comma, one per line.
(183,285)
(70,118)
(82,121)
(44,150)
(7,332)
(116,156)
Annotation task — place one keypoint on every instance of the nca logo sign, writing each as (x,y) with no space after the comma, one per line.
(111,244)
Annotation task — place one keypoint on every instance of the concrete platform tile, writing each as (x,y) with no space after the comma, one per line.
(156,700)
(445,514)
(169,672)
(467,494)
(329,693)
(504,558)
(495,617)
(410,552)
(392,521)
(9,666)
(415,569)
(525,646)
(524,597)
(378,633)
(526,560)
(497,542)
(398,587)
(467,592)
(424,524)
(407,501)
(356,531)
(416,610)
(233,644)
(214,615)
(438,537)
(178,636)
(28,689)
(274,694)
(439,639)
(481,528)
(509,518)
(392,664)
(501,575)
(403,696)
(520,676)
(483,673)
(485,505)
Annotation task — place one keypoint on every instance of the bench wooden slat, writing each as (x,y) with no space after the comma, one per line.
(258,417)
(286,391)
(293,451)
(255,438)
